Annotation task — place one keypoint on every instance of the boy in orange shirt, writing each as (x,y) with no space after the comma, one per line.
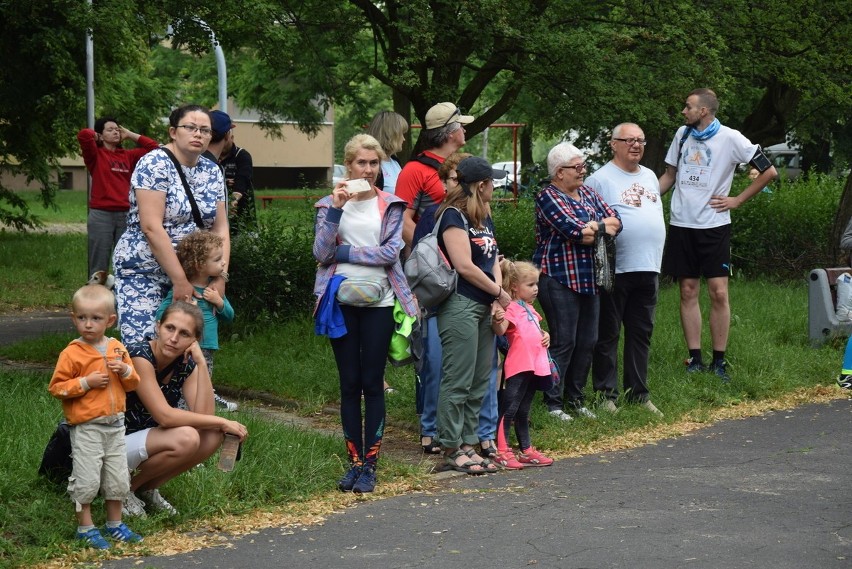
(91,378)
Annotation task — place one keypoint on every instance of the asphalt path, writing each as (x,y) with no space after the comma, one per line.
(770,491)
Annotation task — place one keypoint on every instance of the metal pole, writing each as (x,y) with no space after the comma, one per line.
(90,100)
(221,68)
(90,77)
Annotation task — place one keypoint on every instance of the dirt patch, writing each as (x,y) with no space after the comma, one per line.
(50,228)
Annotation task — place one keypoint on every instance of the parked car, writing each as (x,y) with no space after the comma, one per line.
(514,174)
(785,159)
(338,175)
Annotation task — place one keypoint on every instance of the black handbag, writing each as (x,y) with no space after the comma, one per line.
(604,259)
(56,463)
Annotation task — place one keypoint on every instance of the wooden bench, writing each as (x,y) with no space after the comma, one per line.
(822,305)
(266,200)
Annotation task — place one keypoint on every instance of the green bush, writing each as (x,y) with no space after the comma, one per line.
(515,228)
(786,232)
(273,269)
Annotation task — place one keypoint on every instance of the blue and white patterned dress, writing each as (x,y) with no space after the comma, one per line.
(140,282)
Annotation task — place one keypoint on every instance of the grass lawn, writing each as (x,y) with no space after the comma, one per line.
(291,472)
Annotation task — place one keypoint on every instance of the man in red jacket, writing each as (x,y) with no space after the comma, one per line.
(110,166)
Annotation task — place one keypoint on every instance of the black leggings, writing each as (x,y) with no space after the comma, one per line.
(516,399)
(360,355)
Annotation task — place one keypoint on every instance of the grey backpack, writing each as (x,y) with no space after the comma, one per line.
(430,275)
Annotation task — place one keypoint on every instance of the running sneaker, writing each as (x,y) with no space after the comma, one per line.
(93,538)
(608,405)
(133,506)
(506,459)
(720,369)
(123,533)
(845,381)
(561,415)
(349,479)
(367,481)
(693,366)
(531,457)
(224,404)
(154,499)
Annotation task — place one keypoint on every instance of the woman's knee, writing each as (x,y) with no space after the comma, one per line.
(178,440)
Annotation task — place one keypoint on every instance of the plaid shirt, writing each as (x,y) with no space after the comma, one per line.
(559,222)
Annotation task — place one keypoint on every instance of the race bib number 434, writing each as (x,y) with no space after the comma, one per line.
(695,177)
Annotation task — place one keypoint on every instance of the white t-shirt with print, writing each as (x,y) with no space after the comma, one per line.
(636,198)
(705,168)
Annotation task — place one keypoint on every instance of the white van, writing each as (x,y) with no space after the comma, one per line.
(514,171)
(785,159)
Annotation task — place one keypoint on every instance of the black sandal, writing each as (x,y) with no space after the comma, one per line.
(487,464)
(431,447)
(468,467)
(487,451)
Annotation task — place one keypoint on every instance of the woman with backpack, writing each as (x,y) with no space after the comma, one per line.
(466,237)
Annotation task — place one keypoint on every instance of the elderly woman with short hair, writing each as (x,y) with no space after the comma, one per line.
(568,215)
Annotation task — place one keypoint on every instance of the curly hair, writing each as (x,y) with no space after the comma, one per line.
(194,249)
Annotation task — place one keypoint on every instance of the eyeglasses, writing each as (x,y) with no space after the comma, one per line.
(578,167)
(456,113)
(192,129)
(632,141)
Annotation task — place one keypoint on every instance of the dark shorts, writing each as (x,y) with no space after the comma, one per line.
(695,253)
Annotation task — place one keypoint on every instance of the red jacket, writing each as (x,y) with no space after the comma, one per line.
(111,169)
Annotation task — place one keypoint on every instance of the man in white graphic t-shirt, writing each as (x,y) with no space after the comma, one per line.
(632,191)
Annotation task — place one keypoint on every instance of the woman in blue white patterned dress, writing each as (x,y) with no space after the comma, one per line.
(161,215)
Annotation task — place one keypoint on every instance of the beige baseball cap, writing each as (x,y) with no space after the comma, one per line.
(443,114)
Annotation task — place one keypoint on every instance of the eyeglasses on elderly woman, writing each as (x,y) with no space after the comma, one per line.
(578,167)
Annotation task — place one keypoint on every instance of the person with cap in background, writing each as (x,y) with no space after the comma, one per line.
(418,182)
(237,165)
(221,139)
(221,125)
(466,237)
(422,189)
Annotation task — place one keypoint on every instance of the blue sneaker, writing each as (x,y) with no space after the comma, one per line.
(367,481)
(123,533)
(94,539)
(720,369)
(693,367)
(349,479)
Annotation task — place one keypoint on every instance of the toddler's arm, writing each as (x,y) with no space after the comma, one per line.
(499,324)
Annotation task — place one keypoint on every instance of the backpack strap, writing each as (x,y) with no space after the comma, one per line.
(428,160)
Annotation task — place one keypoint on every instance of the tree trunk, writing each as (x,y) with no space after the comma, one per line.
(402,105)
(844,212)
